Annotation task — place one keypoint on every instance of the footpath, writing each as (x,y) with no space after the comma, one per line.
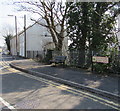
(104,85)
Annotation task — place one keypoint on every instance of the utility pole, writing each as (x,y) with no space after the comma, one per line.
(25,35)
(16,35)
(15,32)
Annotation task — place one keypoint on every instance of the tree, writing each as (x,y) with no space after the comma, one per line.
(78,28)
(7,40)
(54,14)
(91,27)
(7,33)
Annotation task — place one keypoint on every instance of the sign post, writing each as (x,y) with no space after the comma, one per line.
(99,59)
(92,62)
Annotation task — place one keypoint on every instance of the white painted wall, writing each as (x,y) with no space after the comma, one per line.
(13,46)
(34,37)
(21,45)
(35,40)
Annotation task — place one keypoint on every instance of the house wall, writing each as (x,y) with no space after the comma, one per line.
(36,42)
(34,38)
(21,45)
(13,46)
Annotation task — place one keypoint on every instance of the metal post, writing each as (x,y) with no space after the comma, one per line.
(92,62)
(25,34)
(33,54)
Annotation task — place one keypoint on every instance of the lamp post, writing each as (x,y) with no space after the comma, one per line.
(17,34)
(25,35)
(15,31)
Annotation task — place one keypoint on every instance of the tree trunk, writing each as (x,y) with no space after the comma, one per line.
(81,59)
(84,31)
(60,42)
(89,58)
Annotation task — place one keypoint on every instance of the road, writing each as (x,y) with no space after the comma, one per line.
(23,91)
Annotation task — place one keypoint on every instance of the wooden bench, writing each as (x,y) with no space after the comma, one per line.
(58,60)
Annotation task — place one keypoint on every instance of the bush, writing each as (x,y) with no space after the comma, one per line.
(112,67)
(101,67)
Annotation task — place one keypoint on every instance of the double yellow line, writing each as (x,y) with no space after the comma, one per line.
(71,90)
(4,63)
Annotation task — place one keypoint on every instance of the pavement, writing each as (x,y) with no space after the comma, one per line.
(105,85)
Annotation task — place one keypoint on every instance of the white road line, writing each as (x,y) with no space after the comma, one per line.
(4,67)
(6,103)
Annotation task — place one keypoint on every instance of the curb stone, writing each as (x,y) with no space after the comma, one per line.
(69,83)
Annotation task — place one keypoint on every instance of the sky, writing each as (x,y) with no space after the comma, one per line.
(7,23)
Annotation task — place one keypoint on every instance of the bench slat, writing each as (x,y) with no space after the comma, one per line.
(58,59)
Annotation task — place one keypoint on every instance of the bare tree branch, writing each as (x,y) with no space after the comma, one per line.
(53,13)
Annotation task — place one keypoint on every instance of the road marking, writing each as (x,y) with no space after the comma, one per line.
(84,94)
(3,63)
(13,70)
(63,87)
(6,103)
(4,67)
(69,89)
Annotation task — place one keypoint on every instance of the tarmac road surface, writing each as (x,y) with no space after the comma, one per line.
(23,91)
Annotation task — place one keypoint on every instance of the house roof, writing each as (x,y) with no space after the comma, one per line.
(36,22)
(24,30)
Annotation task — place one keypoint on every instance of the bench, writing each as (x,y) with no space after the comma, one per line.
(58,59)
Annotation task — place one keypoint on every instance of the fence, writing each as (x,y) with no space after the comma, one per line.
(79,58)
(34,54)
(42,56)
(83,59)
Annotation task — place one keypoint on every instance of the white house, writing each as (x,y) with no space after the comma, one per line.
(13,46)
(38,41)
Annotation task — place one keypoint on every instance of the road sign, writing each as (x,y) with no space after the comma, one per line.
(100,59)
